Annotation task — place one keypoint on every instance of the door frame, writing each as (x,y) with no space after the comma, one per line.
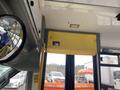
(96,58)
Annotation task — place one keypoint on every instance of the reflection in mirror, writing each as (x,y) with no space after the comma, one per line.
(11,36)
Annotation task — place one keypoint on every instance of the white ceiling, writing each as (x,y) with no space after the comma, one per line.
(113,3)
(90,18)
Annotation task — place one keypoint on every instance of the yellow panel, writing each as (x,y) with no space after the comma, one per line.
(71,43)
(40,69)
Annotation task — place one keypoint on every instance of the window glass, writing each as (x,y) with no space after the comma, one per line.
(84,72)
(5,74)
(55,72)
(110,76)
(4,70)
(17,81)
(109,59)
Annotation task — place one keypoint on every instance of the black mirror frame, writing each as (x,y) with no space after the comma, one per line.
(23,38)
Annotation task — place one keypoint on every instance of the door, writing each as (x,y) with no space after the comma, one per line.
(69,72)
(65,57)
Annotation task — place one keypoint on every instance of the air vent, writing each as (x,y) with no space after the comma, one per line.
(74,26)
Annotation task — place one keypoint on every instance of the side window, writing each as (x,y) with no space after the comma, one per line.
(110,72)
(109,59)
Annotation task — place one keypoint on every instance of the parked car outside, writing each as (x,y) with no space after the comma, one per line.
(54,76)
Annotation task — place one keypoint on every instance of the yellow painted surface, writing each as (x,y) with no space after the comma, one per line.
(40,69)
(72,43)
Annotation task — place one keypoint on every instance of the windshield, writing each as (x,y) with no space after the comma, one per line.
(3,70)
(5,74)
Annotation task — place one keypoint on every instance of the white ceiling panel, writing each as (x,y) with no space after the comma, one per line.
(112,3)
(89,18)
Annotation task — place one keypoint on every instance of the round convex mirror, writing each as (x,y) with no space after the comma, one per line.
(12,37)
